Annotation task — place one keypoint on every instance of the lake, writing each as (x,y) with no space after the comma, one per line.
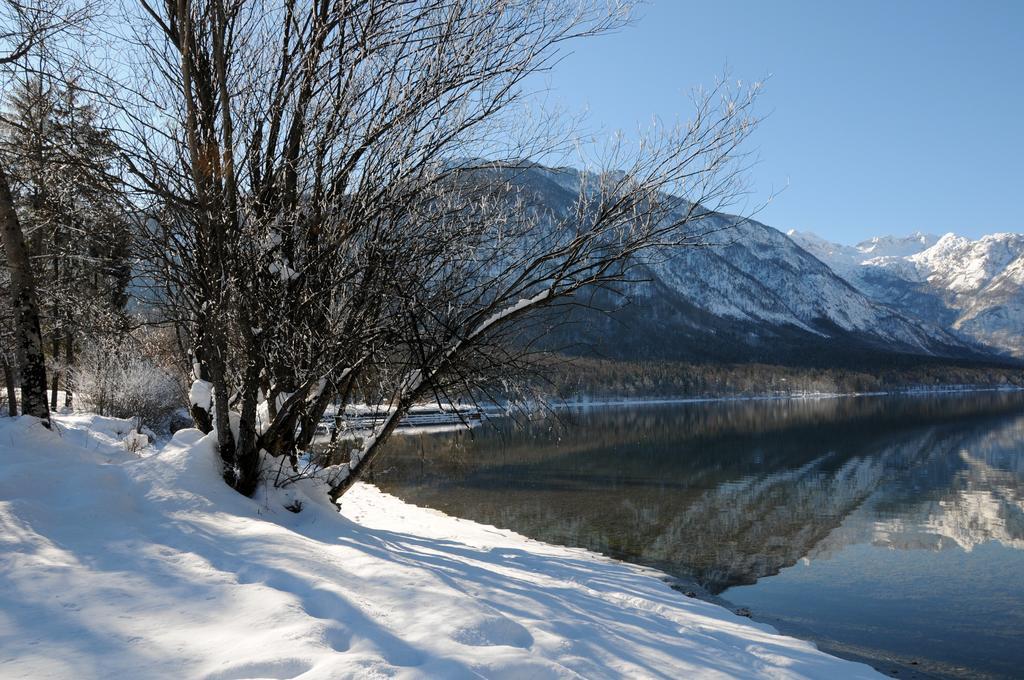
(887,529)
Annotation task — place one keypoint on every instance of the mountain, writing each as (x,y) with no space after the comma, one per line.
(755,295)
(846,259)
(971,287)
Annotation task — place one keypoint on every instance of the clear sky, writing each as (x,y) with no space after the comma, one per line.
(883,116)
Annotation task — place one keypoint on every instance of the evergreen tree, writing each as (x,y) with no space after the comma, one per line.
(67,194)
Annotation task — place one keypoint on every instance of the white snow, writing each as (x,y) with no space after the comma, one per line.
(135,441)
(977,284)
(201,394)
(761,276)
(844,258)
(116,565)
(520,305)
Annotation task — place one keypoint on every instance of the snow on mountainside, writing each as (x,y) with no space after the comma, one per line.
(974,287)
(753,294)
(115,565)
(757,275)
(844,259)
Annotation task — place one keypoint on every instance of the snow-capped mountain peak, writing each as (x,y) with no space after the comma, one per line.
(843,258)
(896,246)
(965,266)
(972,286)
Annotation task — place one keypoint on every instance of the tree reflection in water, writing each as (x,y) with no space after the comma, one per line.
(727,493)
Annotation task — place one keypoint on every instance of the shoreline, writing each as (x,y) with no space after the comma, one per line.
(494,410)
(809,396)
(684,590)
(903,661)
(381,588)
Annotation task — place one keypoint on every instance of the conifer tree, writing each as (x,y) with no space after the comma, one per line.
(67,196)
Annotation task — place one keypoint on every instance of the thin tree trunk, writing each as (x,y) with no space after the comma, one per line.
(55,378)
(369,453)
(222,423)
(202,418)
(311,418)
(55,341)
(221,418)
(69,362)
(12,389)
(246,452)
(372,446)
(28,336)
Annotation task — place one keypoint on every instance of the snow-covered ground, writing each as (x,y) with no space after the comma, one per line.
(116,565)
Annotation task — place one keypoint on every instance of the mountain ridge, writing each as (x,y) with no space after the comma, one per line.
(754,296)
(974,287)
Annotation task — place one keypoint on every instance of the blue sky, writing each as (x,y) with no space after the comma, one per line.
(883,117)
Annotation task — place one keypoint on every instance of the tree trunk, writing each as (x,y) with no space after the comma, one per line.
(222,421)
(12,389)
(201,417)
(369,453)
(69,362)
(311,418)
(28,336)
(55,340)
(373,446)
(55,378)
(247,452)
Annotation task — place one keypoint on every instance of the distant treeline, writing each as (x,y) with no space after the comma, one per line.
(575,377)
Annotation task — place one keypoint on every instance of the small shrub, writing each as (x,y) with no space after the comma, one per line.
(135,442)
(116,379)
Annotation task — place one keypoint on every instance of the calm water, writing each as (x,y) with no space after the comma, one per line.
(890,530)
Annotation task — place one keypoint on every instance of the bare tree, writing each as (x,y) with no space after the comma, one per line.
(320,228)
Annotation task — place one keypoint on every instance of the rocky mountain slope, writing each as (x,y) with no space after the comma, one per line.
(972,287)
(753,295)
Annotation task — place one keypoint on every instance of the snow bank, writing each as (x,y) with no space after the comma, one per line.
(201,394)
(116,565)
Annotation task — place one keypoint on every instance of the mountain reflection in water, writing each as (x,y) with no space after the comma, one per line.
(727,493)
(849,504)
